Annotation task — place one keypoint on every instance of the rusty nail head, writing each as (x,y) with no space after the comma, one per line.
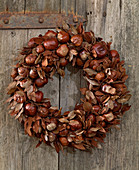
(6,21)
(41,20)
(75,19)
(104,14)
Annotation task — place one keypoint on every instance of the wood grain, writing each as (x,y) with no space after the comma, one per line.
(115,21)
(10,131)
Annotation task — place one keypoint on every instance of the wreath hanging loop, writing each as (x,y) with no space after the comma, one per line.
(104,97)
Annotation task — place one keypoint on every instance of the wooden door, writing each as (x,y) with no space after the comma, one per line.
(114,20)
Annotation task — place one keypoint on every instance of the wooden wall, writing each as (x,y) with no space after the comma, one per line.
(114,20)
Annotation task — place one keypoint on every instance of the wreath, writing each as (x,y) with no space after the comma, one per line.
(104,97)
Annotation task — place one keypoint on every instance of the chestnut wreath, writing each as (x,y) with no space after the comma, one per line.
(104,98)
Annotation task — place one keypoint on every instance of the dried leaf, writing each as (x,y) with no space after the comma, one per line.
(92,82)
(109,116)
(124,98)
(71,114)
(94,129)
(79,146)
(19,114)
(18,107)
(89,95)
(83,90)
(51,126)
(90,71)
(45,62)
(108,89)
(63,120)
(11,87)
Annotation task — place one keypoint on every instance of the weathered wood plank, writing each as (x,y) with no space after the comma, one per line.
(10,130)
(116,21)
(44,157)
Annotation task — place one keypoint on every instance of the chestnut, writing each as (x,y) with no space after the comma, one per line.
(30,59)
(63,62)
(33,73)
(23,71)
(14,73)
(43,111)
(63,37)
(63,132)
(30,109)
(88,36)
(94,64)
(51,44)
(115,55)
(47,69)
(63,50)
(38,96)
(33,41)
(40,49)
(100,76)
(101,49)
(41,82)
(64,141)
(77,40)
(47,104)
(50,34)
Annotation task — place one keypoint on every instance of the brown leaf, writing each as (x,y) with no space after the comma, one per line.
(124,98)
(36,127)
(38,59)
(11,87)
(63,120)
(18,107)
(90,71)
(86,64)
(28,125)
(9,99)
(94,129)
(92,82)
(71,114)
(125,107)
(89,95)
(83,90)
(79,146)
(40,72)
(45,62)
(51,126)
(109,104)
(27,84)
(72,53)
(19,114)
(109,116)
(108,89)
